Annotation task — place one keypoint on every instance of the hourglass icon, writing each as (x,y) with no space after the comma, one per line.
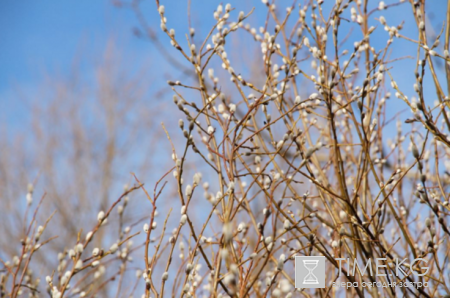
(310,272)
(310,278)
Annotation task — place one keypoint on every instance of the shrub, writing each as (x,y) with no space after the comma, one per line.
(304,152)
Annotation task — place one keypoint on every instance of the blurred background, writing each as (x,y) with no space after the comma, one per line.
(83,93)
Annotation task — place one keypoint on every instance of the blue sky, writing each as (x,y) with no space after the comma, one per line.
(41,35)
(45,36)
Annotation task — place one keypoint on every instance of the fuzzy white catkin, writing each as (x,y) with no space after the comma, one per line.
(231,185)
(183,219)
(163,26)
(277,176)
(188,190)
(197,178)
(285,286)
(276,293)
(241,227)
(29,199)
(79,265)
(280,144)
(88,236)
(227,232)
(280,264)
(189,268)
(79,248)
(229,279)
(100,216)
(422,25)
(306,42)
(114,248)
